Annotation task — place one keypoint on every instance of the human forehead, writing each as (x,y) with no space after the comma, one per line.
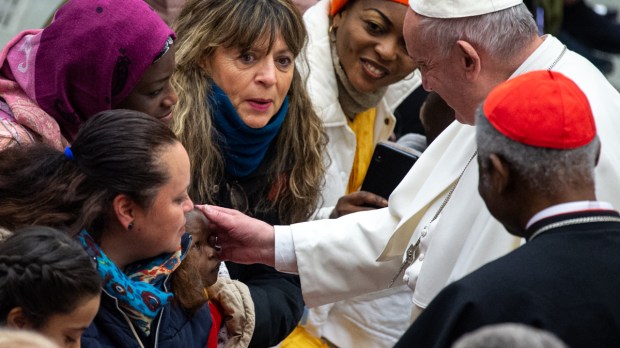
(278,46)
(77,320)
(161,69)
(176,154)
(264,44)
(389,14)
(423,51)
(387,8)
(175,162)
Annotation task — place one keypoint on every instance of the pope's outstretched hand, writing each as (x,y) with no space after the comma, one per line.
(242,239)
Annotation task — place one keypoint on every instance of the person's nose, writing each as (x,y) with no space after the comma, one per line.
(266,74)
(171,98)
(388,49)
(212,253)
(189,205)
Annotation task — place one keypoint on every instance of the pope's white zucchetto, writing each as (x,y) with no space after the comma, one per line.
(459,8)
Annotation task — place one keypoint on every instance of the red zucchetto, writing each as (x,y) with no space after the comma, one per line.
(541,109)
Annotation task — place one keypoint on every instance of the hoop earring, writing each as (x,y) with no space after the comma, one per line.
(130,226)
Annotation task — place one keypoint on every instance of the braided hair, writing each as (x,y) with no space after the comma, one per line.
(44,272)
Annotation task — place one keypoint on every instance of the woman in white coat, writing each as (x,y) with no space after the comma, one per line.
(358,72)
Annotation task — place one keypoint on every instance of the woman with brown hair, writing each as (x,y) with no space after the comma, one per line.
(254,141)
(121,190)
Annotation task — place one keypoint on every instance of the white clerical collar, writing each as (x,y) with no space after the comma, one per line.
(545,55)
(570,207)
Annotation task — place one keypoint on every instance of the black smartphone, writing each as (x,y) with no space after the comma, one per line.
(389,165)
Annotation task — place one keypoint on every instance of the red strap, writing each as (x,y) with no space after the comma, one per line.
(216,323)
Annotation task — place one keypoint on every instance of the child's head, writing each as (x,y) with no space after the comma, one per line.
(47,284)
(209,263)
(435,115)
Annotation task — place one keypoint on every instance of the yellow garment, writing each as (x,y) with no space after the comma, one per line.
(300,338)
(363,126)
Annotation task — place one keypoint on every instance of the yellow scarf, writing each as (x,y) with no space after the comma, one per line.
(363,126)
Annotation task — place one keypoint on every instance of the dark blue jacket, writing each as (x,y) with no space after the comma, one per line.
(278,301)
(172,328)
(565,281)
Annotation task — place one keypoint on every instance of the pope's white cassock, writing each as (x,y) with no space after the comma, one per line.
(362,252)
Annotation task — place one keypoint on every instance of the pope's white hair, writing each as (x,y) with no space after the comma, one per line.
(502,34)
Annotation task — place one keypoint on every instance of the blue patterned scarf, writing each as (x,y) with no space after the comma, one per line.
(140,289)
(243,147)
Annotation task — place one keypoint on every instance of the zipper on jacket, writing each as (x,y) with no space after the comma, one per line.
(133,330)
(162,313)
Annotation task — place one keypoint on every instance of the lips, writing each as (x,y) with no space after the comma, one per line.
(260,104)
(167,118)
(374,70)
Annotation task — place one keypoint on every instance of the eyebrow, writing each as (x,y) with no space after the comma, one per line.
(285,50)
(383,16)
(160,80)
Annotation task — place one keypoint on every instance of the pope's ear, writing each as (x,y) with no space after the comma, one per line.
(468,59)
(16,319)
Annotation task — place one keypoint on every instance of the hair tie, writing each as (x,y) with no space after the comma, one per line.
(69,153)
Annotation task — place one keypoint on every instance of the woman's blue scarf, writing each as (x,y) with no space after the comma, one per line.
(243,147)
(140,289)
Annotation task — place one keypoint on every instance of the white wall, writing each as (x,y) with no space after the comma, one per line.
(17,15)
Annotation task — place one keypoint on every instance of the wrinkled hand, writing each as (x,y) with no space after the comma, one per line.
(243,239)
(357,201)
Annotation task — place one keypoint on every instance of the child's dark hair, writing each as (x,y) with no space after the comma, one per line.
(436,116)
(196,224)
(186,282)
(45,272)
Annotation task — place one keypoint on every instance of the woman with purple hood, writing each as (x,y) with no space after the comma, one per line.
(96,55)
